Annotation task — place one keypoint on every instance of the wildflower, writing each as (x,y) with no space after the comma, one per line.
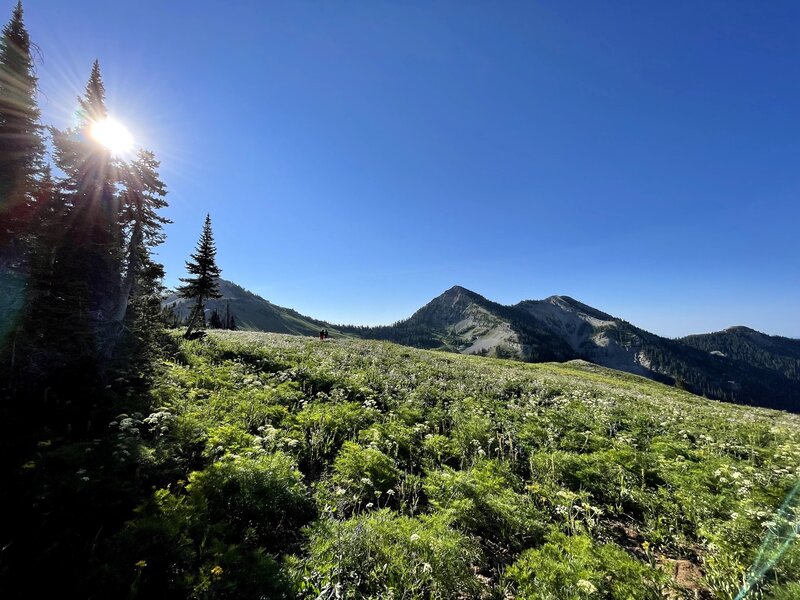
(586,586)
(141,564)
(414,537)
(216,570)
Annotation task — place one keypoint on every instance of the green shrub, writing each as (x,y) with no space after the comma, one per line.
(228,439)
(789,591)
(211,539)
(261,498)
(326,426)
(362,478)
(394,438)
(439,449)
(615,478)
(471,434)
(575,567)
(482,500)
(383,555)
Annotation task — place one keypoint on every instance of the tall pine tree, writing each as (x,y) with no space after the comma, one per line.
(21,144)
(92,252)
(21,159)
(95,283)
(203,285)
(138,316)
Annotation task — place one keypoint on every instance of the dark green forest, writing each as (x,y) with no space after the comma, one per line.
(741,343)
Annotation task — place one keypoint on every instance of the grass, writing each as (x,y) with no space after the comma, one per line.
(286,467)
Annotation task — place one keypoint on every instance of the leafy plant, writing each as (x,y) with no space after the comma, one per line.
(384,555)
(575,567)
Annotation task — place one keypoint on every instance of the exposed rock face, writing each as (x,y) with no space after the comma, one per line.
(561,328)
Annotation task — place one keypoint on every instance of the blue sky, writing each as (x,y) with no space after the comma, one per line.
(359,158)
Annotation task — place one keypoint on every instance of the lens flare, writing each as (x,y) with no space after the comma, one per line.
(113,135)
(785,531)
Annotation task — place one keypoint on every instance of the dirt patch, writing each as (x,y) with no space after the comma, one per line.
(688,577)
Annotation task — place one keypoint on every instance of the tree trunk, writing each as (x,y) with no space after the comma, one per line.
(115,326)
(193,318)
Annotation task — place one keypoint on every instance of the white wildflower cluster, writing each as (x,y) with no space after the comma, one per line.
(729,475)
(127,425)
(159,422)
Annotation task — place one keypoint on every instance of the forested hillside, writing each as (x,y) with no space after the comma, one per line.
(771,352)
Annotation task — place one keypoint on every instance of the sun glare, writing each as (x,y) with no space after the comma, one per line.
(113,135)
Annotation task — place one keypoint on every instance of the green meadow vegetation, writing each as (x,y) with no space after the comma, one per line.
(281,467)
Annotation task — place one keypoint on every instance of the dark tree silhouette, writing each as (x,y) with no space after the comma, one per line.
(21,160)
(21,144)
(93,283)
(204,270)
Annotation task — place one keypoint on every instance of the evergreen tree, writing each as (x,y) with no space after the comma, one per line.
(203,285)
(170,316)
(91,253)
(93,282)
(21,144)
(21,159)
(143,195)
(215,322)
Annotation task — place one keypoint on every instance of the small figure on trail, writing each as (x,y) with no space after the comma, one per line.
(321,334)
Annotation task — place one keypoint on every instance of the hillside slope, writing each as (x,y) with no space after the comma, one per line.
(289,467)
(252,312)
(751,369)
(753,347)
(560,328)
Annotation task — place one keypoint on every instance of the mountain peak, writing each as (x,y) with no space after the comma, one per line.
(458,292)
(457,289)
(570,304)
(560,299)
(742,329)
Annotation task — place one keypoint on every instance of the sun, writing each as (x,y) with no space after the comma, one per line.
(113,135)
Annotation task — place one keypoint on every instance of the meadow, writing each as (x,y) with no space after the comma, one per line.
(285,467)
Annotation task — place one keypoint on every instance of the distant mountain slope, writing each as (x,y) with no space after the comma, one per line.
(462,321)
(737,365)
(560,328)
(252,312)
(742,343)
